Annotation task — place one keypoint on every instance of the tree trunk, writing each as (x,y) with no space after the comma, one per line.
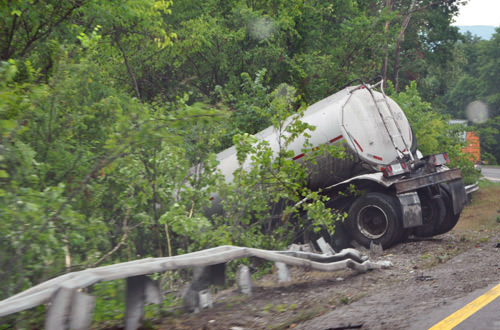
(388,5)
(397,60)
(129,68)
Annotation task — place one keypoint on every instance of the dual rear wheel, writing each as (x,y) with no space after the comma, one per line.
(377,217)
(438,215)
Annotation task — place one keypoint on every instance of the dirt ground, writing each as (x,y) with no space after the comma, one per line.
(427,273)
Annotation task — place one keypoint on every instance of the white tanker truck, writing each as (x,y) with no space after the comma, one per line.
(402,192)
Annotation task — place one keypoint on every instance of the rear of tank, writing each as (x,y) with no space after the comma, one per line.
(353,118)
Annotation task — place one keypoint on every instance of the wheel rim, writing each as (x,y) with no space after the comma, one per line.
(372,222)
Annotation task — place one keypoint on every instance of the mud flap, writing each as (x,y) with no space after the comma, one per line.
(412,211)
(458,195)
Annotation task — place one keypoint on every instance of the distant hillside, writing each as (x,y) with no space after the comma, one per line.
(483,31)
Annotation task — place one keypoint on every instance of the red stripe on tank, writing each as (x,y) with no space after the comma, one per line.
(298,156)
(358,145)
(336,139)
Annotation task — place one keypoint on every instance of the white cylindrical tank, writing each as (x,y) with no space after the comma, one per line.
(371,126)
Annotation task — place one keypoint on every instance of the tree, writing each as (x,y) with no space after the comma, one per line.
(489,71)
(27,25)
(489,135)
(424,39)
(476,83)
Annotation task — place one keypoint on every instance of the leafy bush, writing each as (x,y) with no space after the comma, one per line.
(268,202)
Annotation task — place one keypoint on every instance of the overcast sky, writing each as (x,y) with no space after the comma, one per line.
(479,12)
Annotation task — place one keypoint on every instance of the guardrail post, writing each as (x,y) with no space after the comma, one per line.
(283,272)
(325,247)
(203,277)
(70,309)
(60,306)
(82,310)
(245,283)
(140,291)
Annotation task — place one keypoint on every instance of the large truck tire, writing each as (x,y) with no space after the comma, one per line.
(450,219)
(433,215)
(375,217)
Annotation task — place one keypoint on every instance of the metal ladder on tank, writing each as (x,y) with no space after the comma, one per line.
(391,119)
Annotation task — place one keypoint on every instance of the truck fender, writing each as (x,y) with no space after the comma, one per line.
(458,195)
(410,203)
(377,177)
(411,208)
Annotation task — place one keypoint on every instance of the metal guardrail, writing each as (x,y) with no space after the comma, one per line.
(471,188)
(69,307)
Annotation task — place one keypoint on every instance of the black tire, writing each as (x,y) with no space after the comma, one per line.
(450,219)
(433,213)
(375,217)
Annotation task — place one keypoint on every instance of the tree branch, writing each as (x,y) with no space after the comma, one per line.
(122,241)
(39,35)
(127,65)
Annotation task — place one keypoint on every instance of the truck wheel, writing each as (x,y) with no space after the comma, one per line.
(433,212)
(375,217)
(450,219)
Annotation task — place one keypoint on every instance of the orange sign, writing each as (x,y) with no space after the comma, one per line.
(472,147)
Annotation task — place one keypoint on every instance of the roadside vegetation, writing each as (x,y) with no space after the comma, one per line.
(107,108)
(312,293)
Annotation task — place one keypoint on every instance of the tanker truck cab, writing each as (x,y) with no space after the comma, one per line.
(399,192)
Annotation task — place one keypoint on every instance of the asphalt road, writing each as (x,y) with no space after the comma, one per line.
(478,311)
(491,173)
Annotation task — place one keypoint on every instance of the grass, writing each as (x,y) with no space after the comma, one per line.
(477,224)
(279,308)
(483,183)
(481,215)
